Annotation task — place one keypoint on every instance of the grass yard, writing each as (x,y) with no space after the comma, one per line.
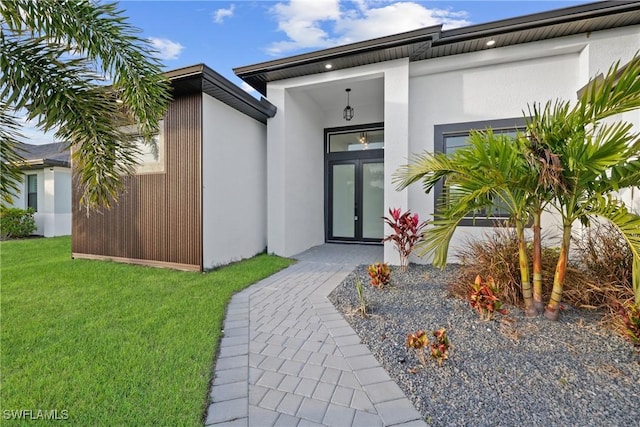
(109,343)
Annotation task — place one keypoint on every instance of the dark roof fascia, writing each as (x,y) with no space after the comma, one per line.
(439,37)
(535,20)
(43,163)
(259,109)
(415,36)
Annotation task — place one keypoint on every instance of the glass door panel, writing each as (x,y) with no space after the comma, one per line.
(343,200)
(372,200)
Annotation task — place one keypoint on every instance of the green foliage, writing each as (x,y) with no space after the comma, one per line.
(16,223)
(362,302)
(80,69)
(407,231)
(569,157)
(103,339)
(380,274)
(484,300)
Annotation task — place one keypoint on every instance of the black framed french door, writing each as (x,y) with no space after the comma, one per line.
(354,183)
(355,200)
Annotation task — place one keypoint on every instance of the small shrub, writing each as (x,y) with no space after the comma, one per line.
(380,274)
(605,260)
(628,322)
(362,302)
(496,255)
(484,300)
(16,223)
(418,341)
(407,231)
(440,347)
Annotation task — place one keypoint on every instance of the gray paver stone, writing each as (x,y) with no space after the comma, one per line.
(312,409)
(397,411)
(338,416)
(290,404)
(285,420)
(231,375)
(384,391)
(324,391)
(220,393)
(228,410)
(261,416)
(271,400)
(366,419)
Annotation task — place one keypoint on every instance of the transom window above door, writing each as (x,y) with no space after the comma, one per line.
(361,140)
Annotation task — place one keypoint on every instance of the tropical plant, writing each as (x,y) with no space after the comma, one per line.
(483,298)
(440,346)
(418,341)
(407,231)
(568,157)
(380,274)
(362,301)
(596,159)
(490,170)
(79,69)
(629,320)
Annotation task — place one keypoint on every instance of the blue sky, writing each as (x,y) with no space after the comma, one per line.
(228,34)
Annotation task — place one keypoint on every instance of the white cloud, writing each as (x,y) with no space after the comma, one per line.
(166,48)
(248,88)
(220,14)
(319,24)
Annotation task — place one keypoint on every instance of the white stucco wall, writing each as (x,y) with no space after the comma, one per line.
(233,184)
(53,217)
(488,85)
(295,173)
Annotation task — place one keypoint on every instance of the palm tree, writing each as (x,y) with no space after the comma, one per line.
(78,68)
(597,159)
(490,171)
(569,158)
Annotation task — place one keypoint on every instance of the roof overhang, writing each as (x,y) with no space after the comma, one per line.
(43,163)
(433,42)
(201,78)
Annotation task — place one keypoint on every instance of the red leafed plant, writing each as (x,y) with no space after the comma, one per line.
(484,300)
(380,274)
(418,341)
(440,347)
(407,231)
(629,319)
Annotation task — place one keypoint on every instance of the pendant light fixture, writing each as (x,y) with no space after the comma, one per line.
(348,112)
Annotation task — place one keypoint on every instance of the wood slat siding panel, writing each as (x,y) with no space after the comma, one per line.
(158,219)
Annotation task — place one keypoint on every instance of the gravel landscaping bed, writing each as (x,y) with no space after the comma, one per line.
(524,371)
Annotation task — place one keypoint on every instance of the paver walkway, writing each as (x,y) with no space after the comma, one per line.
(288,358)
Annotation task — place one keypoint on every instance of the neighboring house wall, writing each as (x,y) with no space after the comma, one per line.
(234,176)
(53,215)
(157,220)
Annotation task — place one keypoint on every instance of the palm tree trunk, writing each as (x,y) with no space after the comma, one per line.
(538,305)
(551,312)
(524,267)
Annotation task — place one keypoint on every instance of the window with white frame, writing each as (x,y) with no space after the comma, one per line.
(151,157)
(32,192)
(450,137)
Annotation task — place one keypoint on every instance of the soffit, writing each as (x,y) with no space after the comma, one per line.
(200,78)
(432,42)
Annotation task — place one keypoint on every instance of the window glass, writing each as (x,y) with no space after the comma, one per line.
(357,141)
(32,192)
(151,156)
(450,138)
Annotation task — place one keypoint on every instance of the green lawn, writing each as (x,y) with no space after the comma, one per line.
(111,344)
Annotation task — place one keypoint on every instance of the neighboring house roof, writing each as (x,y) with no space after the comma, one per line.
(433,42)
(45,155)
(201,78)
